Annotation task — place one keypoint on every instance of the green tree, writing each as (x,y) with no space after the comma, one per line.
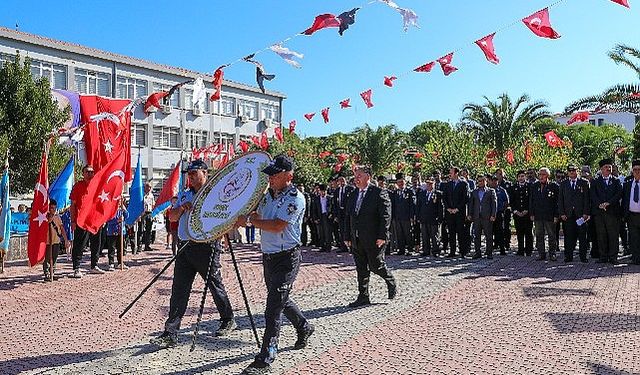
(591,143)
(28,114)
(428,131)
(381,149)
(503,123)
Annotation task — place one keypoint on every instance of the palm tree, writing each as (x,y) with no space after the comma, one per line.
(621,97)
(503,123)
(378,148)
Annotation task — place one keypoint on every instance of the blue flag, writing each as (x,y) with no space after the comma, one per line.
(136,196)
(60,189)
(5,215)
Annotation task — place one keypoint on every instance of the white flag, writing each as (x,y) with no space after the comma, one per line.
(409,17)
(287,55)
(199,94)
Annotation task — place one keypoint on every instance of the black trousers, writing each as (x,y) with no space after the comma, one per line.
(430,239)
(593,238)
(457,231)
(148,224)
(608,232)
(193,260)
(524,233)
(55,251)
(304,237)
(280,272)
(498,232)
(506,229)
(633,225)
(485,226)
(444,237)
(404,237)
(326,235)
(113,248)
(369,260)
(80,238)
(575,234)
(415,230)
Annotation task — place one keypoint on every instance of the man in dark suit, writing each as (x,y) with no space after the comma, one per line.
(322,217)
(543,210)
(606,192)
(367,231)
(429,213)
(631,209)
(403,205)
(306,219)
(456,196)
(574,202)
(339,208)
(519,195)
(504,220)
(500,240)
(483,205)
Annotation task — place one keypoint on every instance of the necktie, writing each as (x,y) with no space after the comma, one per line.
(359,201)
(573,185)
(429,196)
(636,193)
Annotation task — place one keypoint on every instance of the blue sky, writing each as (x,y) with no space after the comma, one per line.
(201,35)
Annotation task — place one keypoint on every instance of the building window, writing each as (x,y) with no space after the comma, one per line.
(55,73)
(600,121)
(166,137)
(89,82)
(195,138)
(226,139)
(270,111)
(248,108)
(131,88)
(160,177)
(592,122)
(6,58)
(138,134)
(175,97)
(227,106)
(188,99)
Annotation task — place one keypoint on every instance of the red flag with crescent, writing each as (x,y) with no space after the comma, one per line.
(244,146)
(277,132)
(553,140)
(366,97)
(322,21)
(579,117)
(445,64)
(292,126)
(345,103)
(104,194)
(528,151)
(388,81)
(540,24)
(264,141)
(38,222)
(256,141)
(309,116)
(486,45)
(218,77)
(325,115)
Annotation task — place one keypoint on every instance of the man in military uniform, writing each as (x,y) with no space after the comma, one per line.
(403,203)
(429,214)
(574,204)
(520,207)
(192,260)
(543,210)
(279,218)
(592,237)
(505,220)
(456,197)
(416,187)
(499,226)
(606,192)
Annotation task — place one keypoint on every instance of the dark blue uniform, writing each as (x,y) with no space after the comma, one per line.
(403,206)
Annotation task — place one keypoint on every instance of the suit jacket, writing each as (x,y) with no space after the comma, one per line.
(456,196)
(429,211)
(543,202)
(373,220)
(601,192)
(317,207)
(519,196)
(626,196)
(574,202)
(403,204)
(485,208)
(338,206)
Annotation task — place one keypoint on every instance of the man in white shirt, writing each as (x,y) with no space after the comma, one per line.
(631,209)
(146,220)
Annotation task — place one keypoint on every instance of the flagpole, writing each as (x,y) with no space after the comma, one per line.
(121,222)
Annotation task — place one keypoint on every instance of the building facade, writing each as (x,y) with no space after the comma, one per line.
(627,120)
(162,136)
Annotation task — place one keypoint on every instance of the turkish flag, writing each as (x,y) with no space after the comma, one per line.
(342,157)
(528,152)
(426,68)
(109,136)
(510,157)
(324,154)
(104,194)
(256,141)
(154,100)
(624,3)
(445,64)
(345,103)
(366,96)
(309,116)
(635,95)
(244,146)
(228,156)
(322,22)
(292,126)
(218,76)
(540,25)
(325,115)
(579,117)
(264,141)
(277,132)
(553,140)
(486,45)
(388,81)
(38,222)
(338,167)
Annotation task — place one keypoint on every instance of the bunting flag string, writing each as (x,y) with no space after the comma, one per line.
(388,81)
(345,103)
(287,55)
(325,115)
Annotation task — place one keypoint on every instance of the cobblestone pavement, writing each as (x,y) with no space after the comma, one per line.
(511,315)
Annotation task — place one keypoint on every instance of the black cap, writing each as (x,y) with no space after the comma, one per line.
(281,163)
(571,167)
(399,176)
(604,162)
(197,164)
(381,178)
(635,163)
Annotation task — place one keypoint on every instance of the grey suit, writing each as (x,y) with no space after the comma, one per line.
(481,212)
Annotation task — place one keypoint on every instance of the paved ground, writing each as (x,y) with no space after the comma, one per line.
(511,315)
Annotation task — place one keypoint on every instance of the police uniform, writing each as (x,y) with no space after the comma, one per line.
(519,195)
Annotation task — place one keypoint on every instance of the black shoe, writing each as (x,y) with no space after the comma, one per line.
(520,253)
(147,248)
(601,260)
(542,257)
(303,337)
(553,257)
(451,255)
(584,260)
(490,256)
(476,256)
(226,326)
(503,252)
(342,251)
(360,301)
(257,368)
(392,291)
(425,254)
(165,340)
(568,260)
(401,253)
(614,261)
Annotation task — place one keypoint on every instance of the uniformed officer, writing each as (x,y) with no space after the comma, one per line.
(279,218)
(574,203)
(403,207)
(520,206)
(193,259)
(543,210)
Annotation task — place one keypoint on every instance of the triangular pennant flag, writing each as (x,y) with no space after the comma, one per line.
(264,141)
(345,103)
(486,45)
(426,68)
(292,126)
(624,3)
(244,146)
(309,116)
(346,19)
(579,117)
(366,97)
(388,81)
(540,24)
(325,115)
(154,100)
(553,140)
(218,77)
(260,73)
(170,189)
(277,132)
(287,55)
(256,141)
(445,64)
(635,95)
(322,22)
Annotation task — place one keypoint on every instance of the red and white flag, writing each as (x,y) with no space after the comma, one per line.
(366,97)
(218,77)
(264,141)
(277,132)
(171,187)
(256,141)
(309,116)
(624,3)
(635,95)
(388,81)
(244,146)
(510,157)
(486,45)
(292,126)
(553,140)
(325,115)
(322,21)
(579,117)
(445,64)
(230,154)
(426,68)
(38,222)
(540,24)
(345,103)
(104,193)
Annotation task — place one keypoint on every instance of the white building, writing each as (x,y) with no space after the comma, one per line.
(243,110)
(627,120)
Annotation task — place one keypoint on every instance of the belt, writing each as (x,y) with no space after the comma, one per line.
(279,254)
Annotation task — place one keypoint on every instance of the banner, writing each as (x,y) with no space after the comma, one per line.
(19,223)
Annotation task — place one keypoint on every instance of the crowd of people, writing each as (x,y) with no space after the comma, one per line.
(435,215)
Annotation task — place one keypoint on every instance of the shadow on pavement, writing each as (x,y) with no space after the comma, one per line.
(602,369)
(541,292)
(567,323)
